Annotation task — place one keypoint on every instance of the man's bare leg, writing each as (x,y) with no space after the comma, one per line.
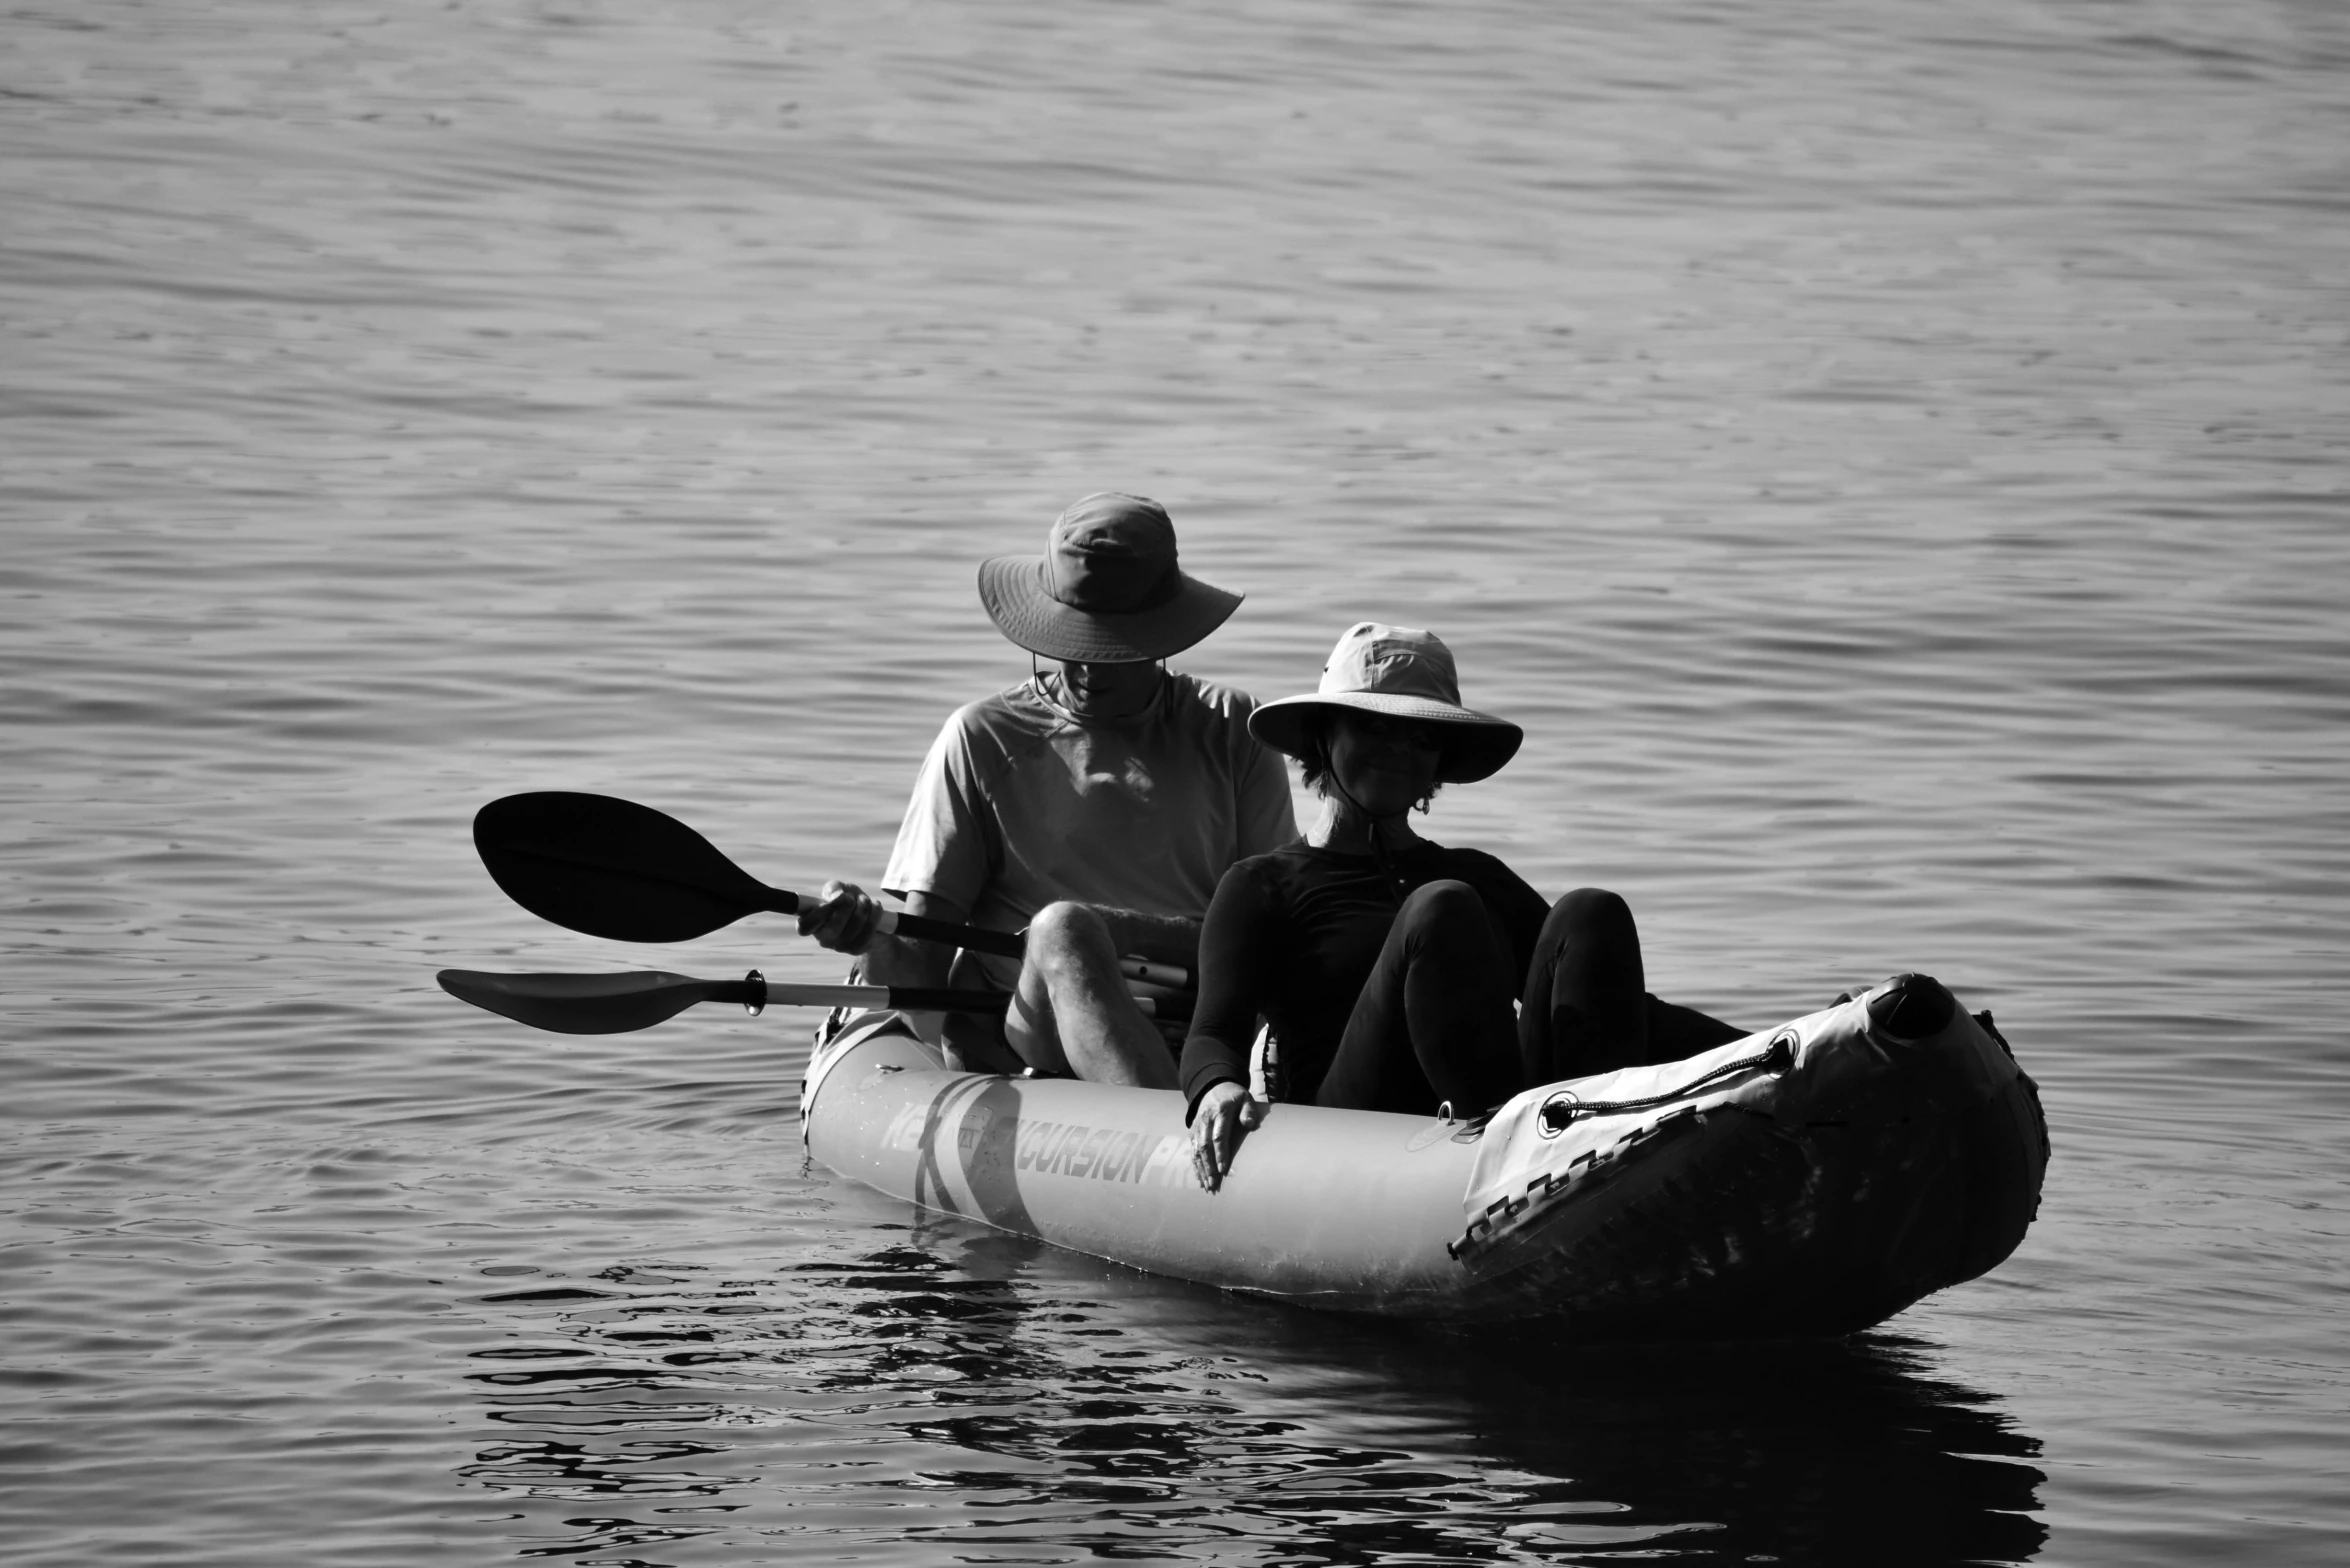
(1071,1011)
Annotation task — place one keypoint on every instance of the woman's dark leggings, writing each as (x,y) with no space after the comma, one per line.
(1586,1007)
(1433,1023)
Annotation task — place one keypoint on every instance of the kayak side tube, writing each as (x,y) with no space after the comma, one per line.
(1813,1179)
(1349,1210)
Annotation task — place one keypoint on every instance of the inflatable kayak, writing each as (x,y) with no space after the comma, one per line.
(1815,1178)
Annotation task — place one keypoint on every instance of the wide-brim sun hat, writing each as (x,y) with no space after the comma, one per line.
(1107,590)
(1404,673)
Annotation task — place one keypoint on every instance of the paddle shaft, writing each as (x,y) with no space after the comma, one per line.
(915,928)
(914,998)
(917,999)
(921,928)
(921,998)
(618,1003)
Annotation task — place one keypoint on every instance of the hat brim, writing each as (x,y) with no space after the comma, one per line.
(1476,745)
(1012,587)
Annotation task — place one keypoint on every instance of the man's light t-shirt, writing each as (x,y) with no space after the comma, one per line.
(1019,805)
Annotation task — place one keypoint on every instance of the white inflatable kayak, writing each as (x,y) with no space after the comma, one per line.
(1811,1179)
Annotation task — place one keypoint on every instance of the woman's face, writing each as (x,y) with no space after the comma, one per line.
(1387,765)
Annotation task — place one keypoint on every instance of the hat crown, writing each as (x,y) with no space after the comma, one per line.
(1107,590)
(1399,672)
(1397,661)
(1112,554)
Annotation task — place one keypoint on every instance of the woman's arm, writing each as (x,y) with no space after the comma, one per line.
(1233,942)
(1236,943)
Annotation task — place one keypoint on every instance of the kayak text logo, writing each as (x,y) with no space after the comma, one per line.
(1047,1148)
(1103,1153)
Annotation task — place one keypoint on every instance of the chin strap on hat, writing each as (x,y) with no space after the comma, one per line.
(1379,858)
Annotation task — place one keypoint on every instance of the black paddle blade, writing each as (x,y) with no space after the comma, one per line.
(613,868)
(588,1004)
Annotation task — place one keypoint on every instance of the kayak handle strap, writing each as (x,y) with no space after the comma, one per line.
(1561,1111)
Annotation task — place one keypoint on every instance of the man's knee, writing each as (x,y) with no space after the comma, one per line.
(1067,934)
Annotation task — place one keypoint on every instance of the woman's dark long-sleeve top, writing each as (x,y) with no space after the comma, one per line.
(1293,935)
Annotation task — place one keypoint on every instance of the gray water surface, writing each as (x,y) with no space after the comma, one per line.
(1891,457)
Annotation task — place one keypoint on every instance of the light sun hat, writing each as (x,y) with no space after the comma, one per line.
(1106,590)
(1403,673)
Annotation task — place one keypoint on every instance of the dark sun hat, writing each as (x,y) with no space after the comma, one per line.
(1106,590)
(1404,674)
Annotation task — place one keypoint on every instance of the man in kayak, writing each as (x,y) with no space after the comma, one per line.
(1095,805)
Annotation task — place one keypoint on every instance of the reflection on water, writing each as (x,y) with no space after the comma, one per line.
(983,1394)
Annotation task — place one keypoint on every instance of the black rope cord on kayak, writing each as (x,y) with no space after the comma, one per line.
(1559,1113)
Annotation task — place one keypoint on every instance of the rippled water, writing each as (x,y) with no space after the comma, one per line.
(1892,457)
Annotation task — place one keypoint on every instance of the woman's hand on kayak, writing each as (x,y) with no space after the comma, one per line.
(844,920)
(1225,1112)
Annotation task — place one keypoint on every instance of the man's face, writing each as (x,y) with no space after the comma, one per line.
(1108,691)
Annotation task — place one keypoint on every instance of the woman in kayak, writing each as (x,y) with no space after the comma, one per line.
(1386,964)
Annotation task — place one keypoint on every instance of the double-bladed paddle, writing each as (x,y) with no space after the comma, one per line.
(613,868)
(616,1004)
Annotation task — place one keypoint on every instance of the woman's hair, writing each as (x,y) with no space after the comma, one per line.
(1313,763)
